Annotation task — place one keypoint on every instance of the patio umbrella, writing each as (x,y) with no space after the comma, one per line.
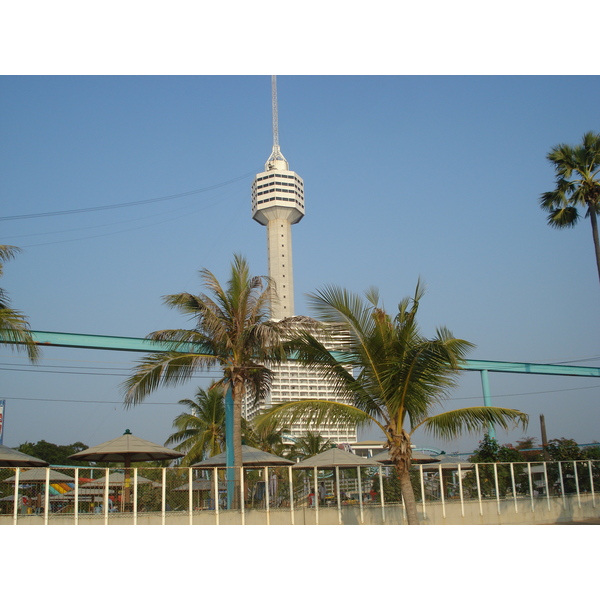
(335,457)
(14,458)
(418,458)
(251,457)
(38,474)
(126,449)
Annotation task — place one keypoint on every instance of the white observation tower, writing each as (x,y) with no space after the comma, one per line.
(278,203)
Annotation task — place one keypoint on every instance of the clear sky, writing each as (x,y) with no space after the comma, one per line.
(435,177)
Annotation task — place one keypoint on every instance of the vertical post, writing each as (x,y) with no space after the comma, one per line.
(267,495)
(339,499)
(191,495)
(106,490)
(497,487)
(460,491)
(16,496)
(76,507)
(478,488)
(47,496)
(164,496)
(514,489)
(135,495)
(360,496)
(216,495)
(290,479)
(242,503)
(316,495)
(381,493)
(576,483)
(562,485)
(591,483)
(423,491)
(442,490)
(229,445)
(547,486)
(487,398)
(530,486)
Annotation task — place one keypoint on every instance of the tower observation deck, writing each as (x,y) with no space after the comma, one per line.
(278,203)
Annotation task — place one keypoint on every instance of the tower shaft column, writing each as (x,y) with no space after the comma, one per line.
(279,252)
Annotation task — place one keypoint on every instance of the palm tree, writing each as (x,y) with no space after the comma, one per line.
(200,430)
(577,186)
(397,378)
(14,328)
(268,439)
(310,444)
(231,331)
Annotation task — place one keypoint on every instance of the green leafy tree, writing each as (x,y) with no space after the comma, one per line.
(489,451)
(577,188)
(390,376)
(200,430)
(14,327)
(231,331)
(268,439)
(54,454)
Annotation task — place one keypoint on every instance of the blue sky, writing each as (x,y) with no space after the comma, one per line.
(435,177)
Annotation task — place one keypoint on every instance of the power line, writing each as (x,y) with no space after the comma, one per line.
(125,204)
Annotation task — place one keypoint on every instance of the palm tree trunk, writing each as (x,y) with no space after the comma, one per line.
(408,496)
(594,222)
(237,393)
(400,454)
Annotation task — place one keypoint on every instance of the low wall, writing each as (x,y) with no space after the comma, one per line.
(507,511)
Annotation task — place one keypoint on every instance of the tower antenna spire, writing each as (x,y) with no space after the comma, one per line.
(276,152)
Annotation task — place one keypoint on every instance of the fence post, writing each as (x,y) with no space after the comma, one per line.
(360,496)
(576,483)
(16,496)
(460,490)
(442,491)
(337,488)
(512,479)
(291,493)
(562,487)
(135,495)
(380,493)
(191,495)
(547,486)
(76,507)
(106,489)
(423,491)
(315,495)
(164,496)
(267,496)
(497,486)
(592,483)
(478,488)
(242,501)
(47,496)
(530,486)
(216,494)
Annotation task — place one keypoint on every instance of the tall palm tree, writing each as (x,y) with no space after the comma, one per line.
(577,186)
(200,430)
(268,439)
(14,328)
(231,331)
(397,378)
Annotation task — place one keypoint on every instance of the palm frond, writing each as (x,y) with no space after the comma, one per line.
(453,423)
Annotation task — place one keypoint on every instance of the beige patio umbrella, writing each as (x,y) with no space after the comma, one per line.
(14,458)
(417,458)
(126,449)
(251,457)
